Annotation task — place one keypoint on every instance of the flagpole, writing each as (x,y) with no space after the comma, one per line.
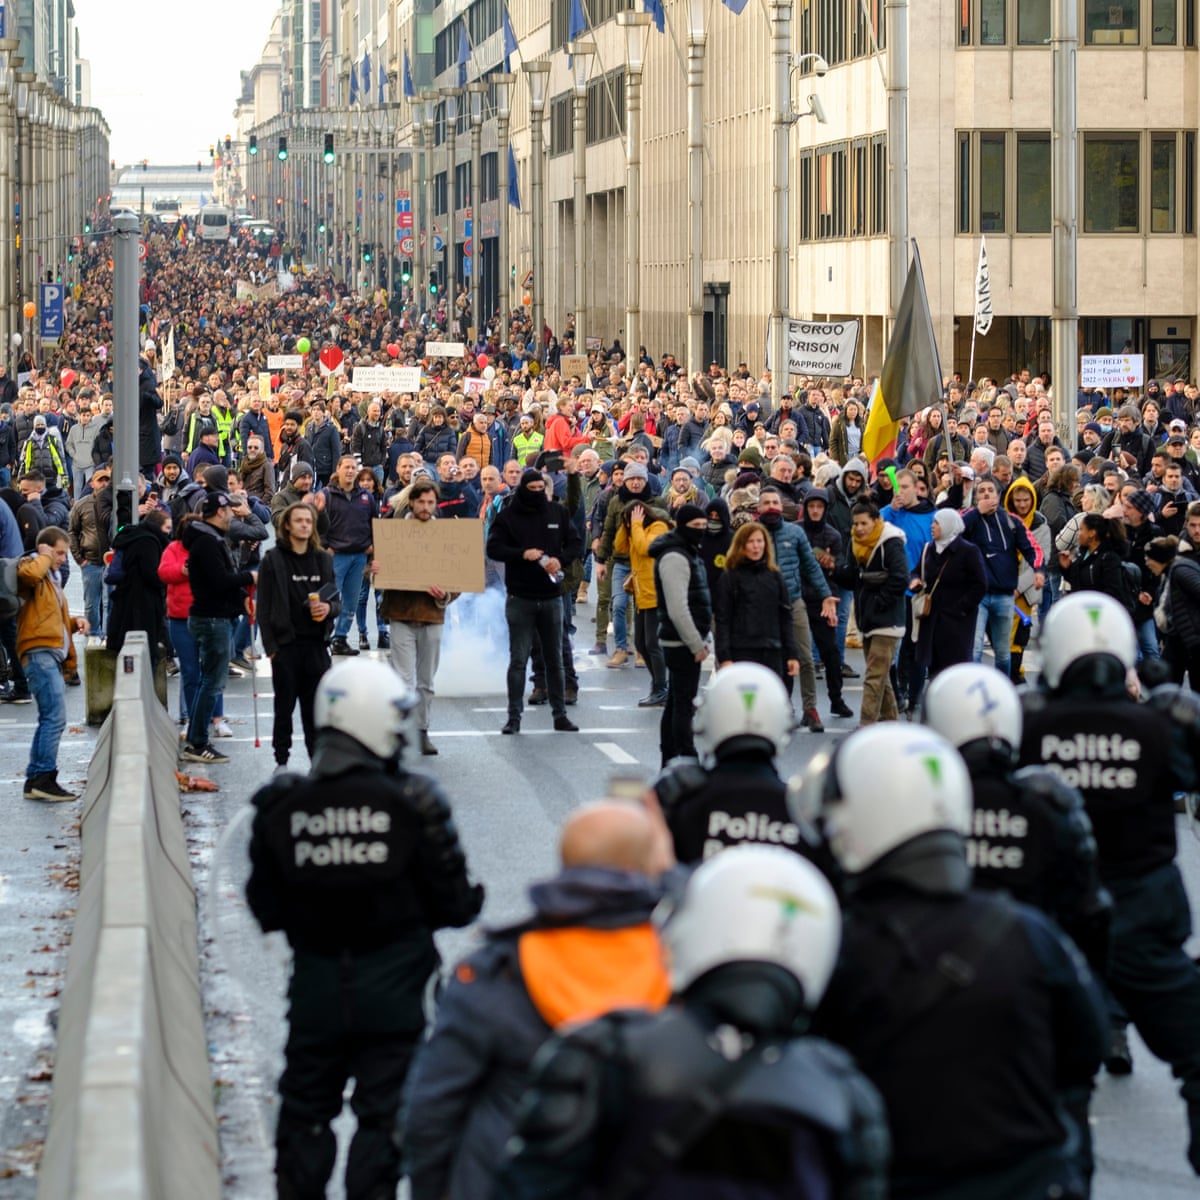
(971,368)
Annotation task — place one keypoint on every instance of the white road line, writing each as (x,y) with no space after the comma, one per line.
(500,709)
(616,753)
(442,733)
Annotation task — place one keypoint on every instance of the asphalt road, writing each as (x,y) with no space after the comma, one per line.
(510,796)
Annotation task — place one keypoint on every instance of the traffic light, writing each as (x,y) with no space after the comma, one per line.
(282,152)
(199,165)
(212,151)
(433,283)
(145,164)
(87,227)
(321,227)
(328,149)
(405,271)
(278,201)
(366,252)
(228,144)
(254,143)
(70,254)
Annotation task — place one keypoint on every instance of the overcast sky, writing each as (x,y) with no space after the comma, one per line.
(167,76)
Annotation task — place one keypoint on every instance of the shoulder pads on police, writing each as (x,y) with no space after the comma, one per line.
(1179,704)
(1033,701)
(1037,781)
(679,779)
(272,793)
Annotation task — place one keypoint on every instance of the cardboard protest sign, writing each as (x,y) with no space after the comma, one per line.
(415,555)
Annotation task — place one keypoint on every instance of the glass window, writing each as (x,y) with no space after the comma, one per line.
(1033,22)
(1189,182)
(991,22)
(1110,22)
(1163,191)
(806,195)
(831,192)
(879,183)
(1164,22)
(858,188)
(964,183)
(1110,184)
(1033,183)
(991,182)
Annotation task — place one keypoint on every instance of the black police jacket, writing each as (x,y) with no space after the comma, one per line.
(971,1081)
(1119,755)
(357,861)
(795,1119)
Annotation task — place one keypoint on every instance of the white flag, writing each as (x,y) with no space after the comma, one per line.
(983,293)
(168,357)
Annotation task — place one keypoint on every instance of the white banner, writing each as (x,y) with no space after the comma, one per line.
(983,293)
(822,348)
(474,387)
(285,362)
(386,379)
(168,356)
(1112,370)
(445,349)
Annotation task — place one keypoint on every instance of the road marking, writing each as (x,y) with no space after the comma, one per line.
(440,733)
(500,709)
(616,753)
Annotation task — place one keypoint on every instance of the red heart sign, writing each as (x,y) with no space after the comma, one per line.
(331,358)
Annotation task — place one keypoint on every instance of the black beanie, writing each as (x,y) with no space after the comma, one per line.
(689,512)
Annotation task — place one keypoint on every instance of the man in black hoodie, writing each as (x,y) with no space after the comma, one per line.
(535,538)
(218,596)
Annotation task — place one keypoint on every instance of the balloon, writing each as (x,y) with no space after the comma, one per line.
(274,383)
(481,361)
(303,345)
(29,310)
(527,299)
(67,378)
(393,350)
(489,372)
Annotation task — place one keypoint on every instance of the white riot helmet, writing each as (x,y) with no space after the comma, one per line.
(754,904)
(369,702)
(973,703)
(744,700)
(1082,624)
(880,788)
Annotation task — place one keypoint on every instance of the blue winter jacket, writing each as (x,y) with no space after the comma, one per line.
(1002,539)
(797,563)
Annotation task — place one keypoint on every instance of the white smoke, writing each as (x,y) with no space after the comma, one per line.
(474,658)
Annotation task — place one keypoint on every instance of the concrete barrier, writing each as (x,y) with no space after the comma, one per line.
(131,1113)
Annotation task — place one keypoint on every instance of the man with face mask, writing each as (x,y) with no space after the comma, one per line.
(535,539)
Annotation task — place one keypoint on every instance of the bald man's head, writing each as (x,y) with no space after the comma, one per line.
(616,834)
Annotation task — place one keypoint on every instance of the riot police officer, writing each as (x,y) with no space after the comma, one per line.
(358,864)
(1128,760)
(1030,834)
(735,795)
(716,1094)
(940,988)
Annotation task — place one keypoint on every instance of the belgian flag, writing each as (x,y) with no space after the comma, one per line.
(911,378)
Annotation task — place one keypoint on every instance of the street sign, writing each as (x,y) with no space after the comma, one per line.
(527,282)
(50,325)
(141,251)
(467,267)
(467,248)
(406,244)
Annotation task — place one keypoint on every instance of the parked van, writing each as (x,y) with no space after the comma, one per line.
(215,224)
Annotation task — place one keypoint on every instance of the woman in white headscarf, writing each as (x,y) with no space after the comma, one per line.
(948,586)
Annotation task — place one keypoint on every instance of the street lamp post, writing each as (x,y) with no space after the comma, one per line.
(695,161)
(476,92)
(581,60)
(636,26)
(7,301)
(1064,196)
(429,118)
(538,76)
(451,96)
(420,285)
(503,85)
(896,17)
(781,105)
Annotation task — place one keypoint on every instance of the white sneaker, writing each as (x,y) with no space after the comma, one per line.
(220,728)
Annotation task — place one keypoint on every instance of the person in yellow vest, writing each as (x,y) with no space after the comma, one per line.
(527,442)
(226,417)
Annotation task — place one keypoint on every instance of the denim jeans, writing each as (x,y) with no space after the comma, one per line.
(364,596)
(996,618)
(94,607)
(845,598)
(1147,636)
(212,637)
(620,605)
(348,575)
(189,668)
(44,673)
(524,617)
